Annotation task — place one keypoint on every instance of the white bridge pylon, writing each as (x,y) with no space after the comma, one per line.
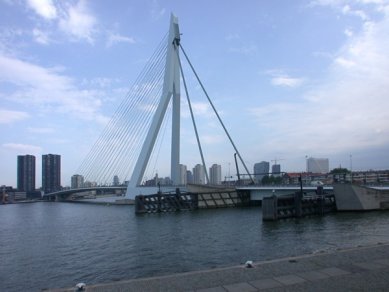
(171,89)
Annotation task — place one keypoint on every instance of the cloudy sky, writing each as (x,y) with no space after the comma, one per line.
(290,78)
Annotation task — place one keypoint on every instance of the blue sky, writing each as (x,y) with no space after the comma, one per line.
(290,78)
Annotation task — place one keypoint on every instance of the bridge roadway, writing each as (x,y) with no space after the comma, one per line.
(257,193)
(65,194)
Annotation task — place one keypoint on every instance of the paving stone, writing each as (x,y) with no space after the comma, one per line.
(313,275)
(265,284)
(369,265)
(334,272)
(240,287)
(213,289)
(289,279)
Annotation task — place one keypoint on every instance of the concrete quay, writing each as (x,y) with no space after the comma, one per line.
(357,269)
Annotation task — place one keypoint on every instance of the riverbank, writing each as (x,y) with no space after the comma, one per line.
(363,268)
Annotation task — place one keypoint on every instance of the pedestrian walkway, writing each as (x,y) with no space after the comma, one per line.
(362,268)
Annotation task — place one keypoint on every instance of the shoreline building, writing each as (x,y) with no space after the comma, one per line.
(318,165)
(199,175)
(77,181)
(261,169)
(51,173)
(189,177)
(276,170)
(26,173)
(215,172)
(116,181)
(182,179)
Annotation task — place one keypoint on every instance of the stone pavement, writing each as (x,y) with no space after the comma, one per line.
(358,269)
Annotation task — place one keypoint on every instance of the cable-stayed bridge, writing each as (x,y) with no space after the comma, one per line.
(129,140)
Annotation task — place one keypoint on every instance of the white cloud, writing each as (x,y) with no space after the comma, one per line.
(40,130)
(23,148)
(344,62)
(156,11)
(348,32)
(287,81)
(348,10)
(114,38)
(44,8)
(79,22)
(48,91)
(245,50)
(10,116)
(280,78)
(40,36)
(347,111)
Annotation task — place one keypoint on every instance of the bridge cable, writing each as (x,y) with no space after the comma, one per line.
(214,109)
(97,150)
(193,119)
(100,159)
(116,132)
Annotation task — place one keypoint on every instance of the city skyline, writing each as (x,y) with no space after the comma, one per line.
(308,78)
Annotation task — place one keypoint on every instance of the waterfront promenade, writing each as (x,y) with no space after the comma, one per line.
(357,269)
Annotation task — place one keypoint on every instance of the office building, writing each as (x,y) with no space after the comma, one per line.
(51,173)
(199,174)
(276,169)
(189,177)
(116,181)
(77,181)
(260,170)
(182,179)
(215,174)
(318,165)
(26,173)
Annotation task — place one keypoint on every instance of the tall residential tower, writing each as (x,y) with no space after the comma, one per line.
(26,173)
(51,173)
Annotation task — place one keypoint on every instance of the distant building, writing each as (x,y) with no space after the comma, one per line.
(183,176)
(116,181)
(215,173)
(26,173)
(90,184)
(318,165)
(199,174)
(51,173)
(77,181)
(276,169)
(189,177)
(260,170)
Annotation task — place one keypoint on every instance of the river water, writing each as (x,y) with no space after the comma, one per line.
(52,245)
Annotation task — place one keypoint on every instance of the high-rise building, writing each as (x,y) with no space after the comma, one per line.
(116,181)
(276,169)
(199,174)
(182,176)
(189,177)
(51,173)
(77,181)
(215,173)
(318,165)
(260,170)
(26,173)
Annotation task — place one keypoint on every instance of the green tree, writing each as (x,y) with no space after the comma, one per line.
(339,170)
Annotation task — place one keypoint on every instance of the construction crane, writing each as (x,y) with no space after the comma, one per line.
(277,159)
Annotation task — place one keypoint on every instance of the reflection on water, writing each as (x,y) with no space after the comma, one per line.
(47,245)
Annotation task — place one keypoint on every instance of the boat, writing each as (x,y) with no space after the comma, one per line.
(353,197)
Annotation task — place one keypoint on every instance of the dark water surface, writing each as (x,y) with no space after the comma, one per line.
(52,245)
